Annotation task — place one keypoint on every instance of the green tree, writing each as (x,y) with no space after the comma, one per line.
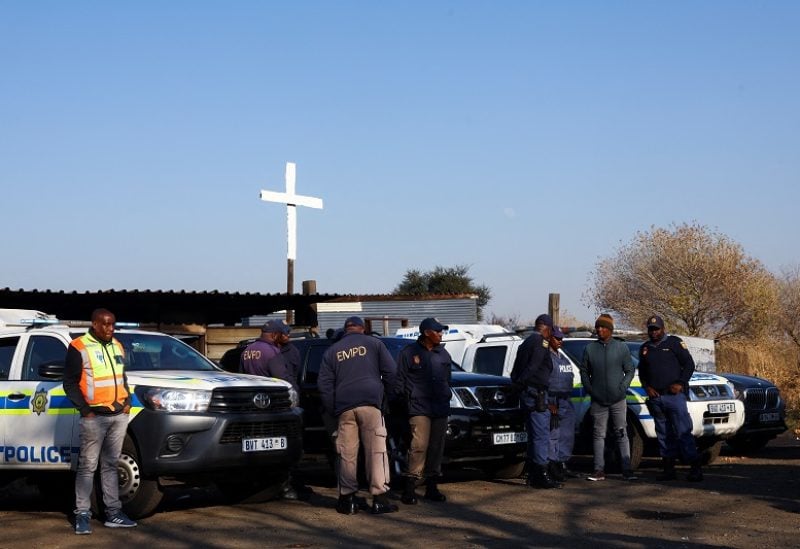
(443,281)
(701,282)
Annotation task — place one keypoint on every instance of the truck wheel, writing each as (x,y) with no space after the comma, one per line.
(506,469)
(710,454)
(636,438)
(139,495)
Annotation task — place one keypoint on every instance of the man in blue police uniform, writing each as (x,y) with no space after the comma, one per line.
(665,367)
(562,412)
(531,373)
(423,384)
(356,374)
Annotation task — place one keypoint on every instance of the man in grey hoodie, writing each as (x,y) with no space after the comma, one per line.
(606,374)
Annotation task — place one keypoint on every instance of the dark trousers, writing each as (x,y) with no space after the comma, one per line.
(673,427)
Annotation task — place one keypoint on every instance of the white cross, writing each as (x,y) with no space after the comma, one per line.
(291,200)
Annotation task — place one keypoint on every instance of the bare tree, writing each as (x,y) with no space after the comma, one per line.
(700,281)
(789,304)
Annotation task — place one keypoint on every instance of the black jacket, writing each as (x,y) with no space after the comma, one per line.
(423,380)
(665,362)
(532,366)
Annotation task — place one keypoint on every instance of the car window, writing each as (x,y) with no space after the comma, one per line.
(7,347)
(574,348)
(490,360)
(160,352)
(313,361)
(41,350)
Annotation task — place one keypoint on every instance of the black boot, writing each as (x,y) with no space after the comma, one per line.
(555,470)
(567,472)
(381,504)
(432,490)
(540,478)
(347,505)
(695,474)
(669,470)
(409,496)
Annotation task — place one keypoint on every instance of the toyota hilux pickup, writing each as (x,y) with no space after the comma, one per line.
(190,421)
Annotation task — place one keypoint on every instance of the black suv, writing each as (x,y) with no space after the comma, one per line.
(486,426)
(764,412)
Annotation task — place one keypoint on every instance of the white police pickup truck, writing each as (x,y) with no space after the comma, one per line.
(716,413)
(190,422)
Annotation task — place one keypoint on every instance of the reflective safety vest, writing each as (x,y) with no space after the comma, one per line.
(102,382)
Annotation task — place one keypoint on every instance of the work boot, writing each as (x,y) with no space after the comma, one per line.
(409,495)
(540,478)
(695,474)
(554,468)
(381,504)
(567,472)
(432,491)
(347,505)
(669,470)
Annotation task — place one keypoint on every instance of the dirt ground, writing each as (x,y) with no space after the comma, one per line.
(744,502)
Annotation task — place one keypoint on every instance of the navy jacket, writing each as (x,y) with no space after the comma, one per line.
(665,362)
(356,371)
(423,380)
(532,365)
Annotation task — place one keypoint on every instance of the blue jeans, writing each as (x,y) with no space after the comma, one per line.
(101,442)
(562,438)
(538,426)
(600,414)
(673,427)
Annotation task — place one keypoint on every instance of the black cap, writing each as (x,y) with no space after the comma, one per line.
(431,324)
(547,320)
(655,321)
(354,321)
(276,326)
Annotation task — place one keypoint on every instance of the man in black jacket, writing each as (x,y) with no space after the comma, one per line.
(665,367)
(423,384)
(531,373)
(356,374)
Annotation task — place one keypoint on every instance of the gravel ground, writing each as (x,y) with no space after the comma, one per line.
(744,502)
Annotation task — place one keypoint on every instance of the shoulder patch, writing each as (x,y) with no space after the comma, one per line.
(545,344)
(416,359)
(683,344)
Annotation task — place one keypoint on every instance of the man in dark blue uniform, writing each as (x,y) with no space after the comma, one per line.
(356,374)
(531,373)
(423,384)
(559,401)
(665,367)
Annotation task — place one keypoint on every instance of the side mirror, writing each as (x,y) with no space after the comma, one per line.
(53,369)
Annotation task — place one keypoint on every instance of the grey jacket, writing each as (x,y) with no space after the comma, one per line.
(606,371)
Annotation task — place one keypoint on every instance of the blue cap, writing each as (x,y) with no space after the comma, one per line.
(354,321)
(276,326)
(557,333)
(431,324)
(547,320)
(655,321)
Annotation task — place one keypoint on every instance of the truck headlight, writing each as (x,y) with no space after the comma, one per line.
(294,397)
(163,399)
(462,397)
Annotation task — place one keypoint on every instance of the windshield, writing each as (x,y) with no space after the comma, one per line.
(146,352)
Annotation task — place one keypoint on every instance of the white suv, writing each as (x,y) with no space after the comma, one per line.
(716,413)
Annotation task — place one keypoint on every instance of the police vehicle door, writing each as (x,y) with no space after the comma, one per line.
(40,421)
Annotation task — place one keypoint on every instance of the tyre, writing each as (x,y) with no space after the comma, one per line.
(709,454)
(140,496)
(506,469)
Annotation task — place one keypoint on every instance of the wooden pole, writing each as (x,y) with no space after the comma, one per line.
(554,308)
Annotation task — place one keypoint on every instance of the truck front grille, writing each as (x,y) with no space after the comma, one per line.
(235,432)
(762,399)
(250,399)
(501,397)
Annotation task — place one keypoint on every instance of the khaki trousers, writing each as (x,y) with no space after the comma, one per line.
(427,446)
(362,425)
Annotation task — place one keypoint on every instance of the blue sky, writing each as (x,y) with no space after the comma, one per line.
(525,139)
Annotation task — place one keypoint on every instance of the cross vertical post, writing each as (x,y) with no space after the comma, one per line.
(292,200)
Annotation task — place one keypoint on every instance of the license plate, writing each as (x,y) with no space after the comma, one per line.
(722,408)
(263,444)
(510,438)
(769,416)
